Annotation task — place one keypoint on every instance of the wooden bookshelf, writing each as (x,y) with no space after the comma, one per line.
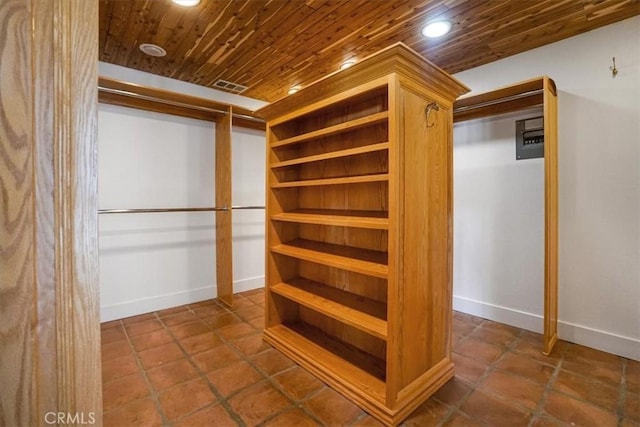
(358,235)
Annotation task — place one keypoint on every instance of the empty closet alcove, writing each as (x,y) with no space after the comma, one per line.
(170,219)
(506,210)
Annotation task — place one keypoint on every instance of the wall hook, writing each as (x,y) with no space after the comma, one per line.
(432,106)
(614,70)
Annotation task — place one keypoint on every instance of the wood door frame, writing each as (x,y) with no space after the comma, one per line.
(50,363)
(536,92)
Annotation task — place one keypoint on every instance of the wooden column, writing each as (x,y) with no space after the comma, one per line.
(551,215)
(49,330)
(224,253)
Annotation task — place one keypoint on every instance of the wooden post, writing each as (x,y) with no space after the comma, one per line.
(224,253)
(551,215)
(50,333)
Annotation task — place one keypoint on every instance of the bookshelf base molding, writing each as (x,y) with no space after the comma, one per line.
(370,399)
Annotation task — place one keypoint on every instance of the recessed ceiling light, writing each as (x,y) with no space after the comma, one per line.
(348,63)
(293,90)
(152,49)
(187,3)
(436,29)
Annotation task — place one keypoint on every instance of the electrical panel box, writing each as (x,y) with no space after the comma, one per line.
(530,138)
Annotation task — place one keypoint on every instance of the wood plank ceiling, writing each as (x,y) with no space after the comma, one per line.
(271,45)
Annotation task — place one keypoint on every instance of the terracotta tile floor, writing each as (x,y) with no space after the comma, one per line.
(204,365)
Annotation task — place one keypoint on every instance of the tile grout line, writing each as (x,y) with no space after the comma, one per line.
(152,391)
(465,337)
(300,403)
(594,380)
(539,413)
(622,394)
(242,356)
(220,399)
(296,403)
(186,356)
(268,378)
(455,408)
(152,388)
(276,385)
(490,369)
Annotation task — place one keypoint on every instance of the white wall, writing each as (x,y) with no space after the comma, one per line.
(249,162)
(497,262)
(154,261)
(498,221)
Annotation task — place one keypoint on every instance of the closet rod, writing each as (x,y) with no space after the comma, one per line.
(212,209)
(247,207)
(174,103)
(496,101)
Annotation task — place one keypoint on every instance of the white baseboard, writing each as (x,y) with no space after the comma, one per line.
(579,334)
(519,319)
(606,341)
(160,302)
(248,284)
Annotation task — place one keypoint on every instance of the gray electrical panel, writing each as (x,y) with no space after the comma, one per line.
(530,138)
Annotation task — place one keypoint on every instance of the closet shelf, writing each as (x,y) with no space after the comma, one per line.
(333,181)
(343,218)
(363,261)
(332,155)
(354,310)
(335,129)
(323,354)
